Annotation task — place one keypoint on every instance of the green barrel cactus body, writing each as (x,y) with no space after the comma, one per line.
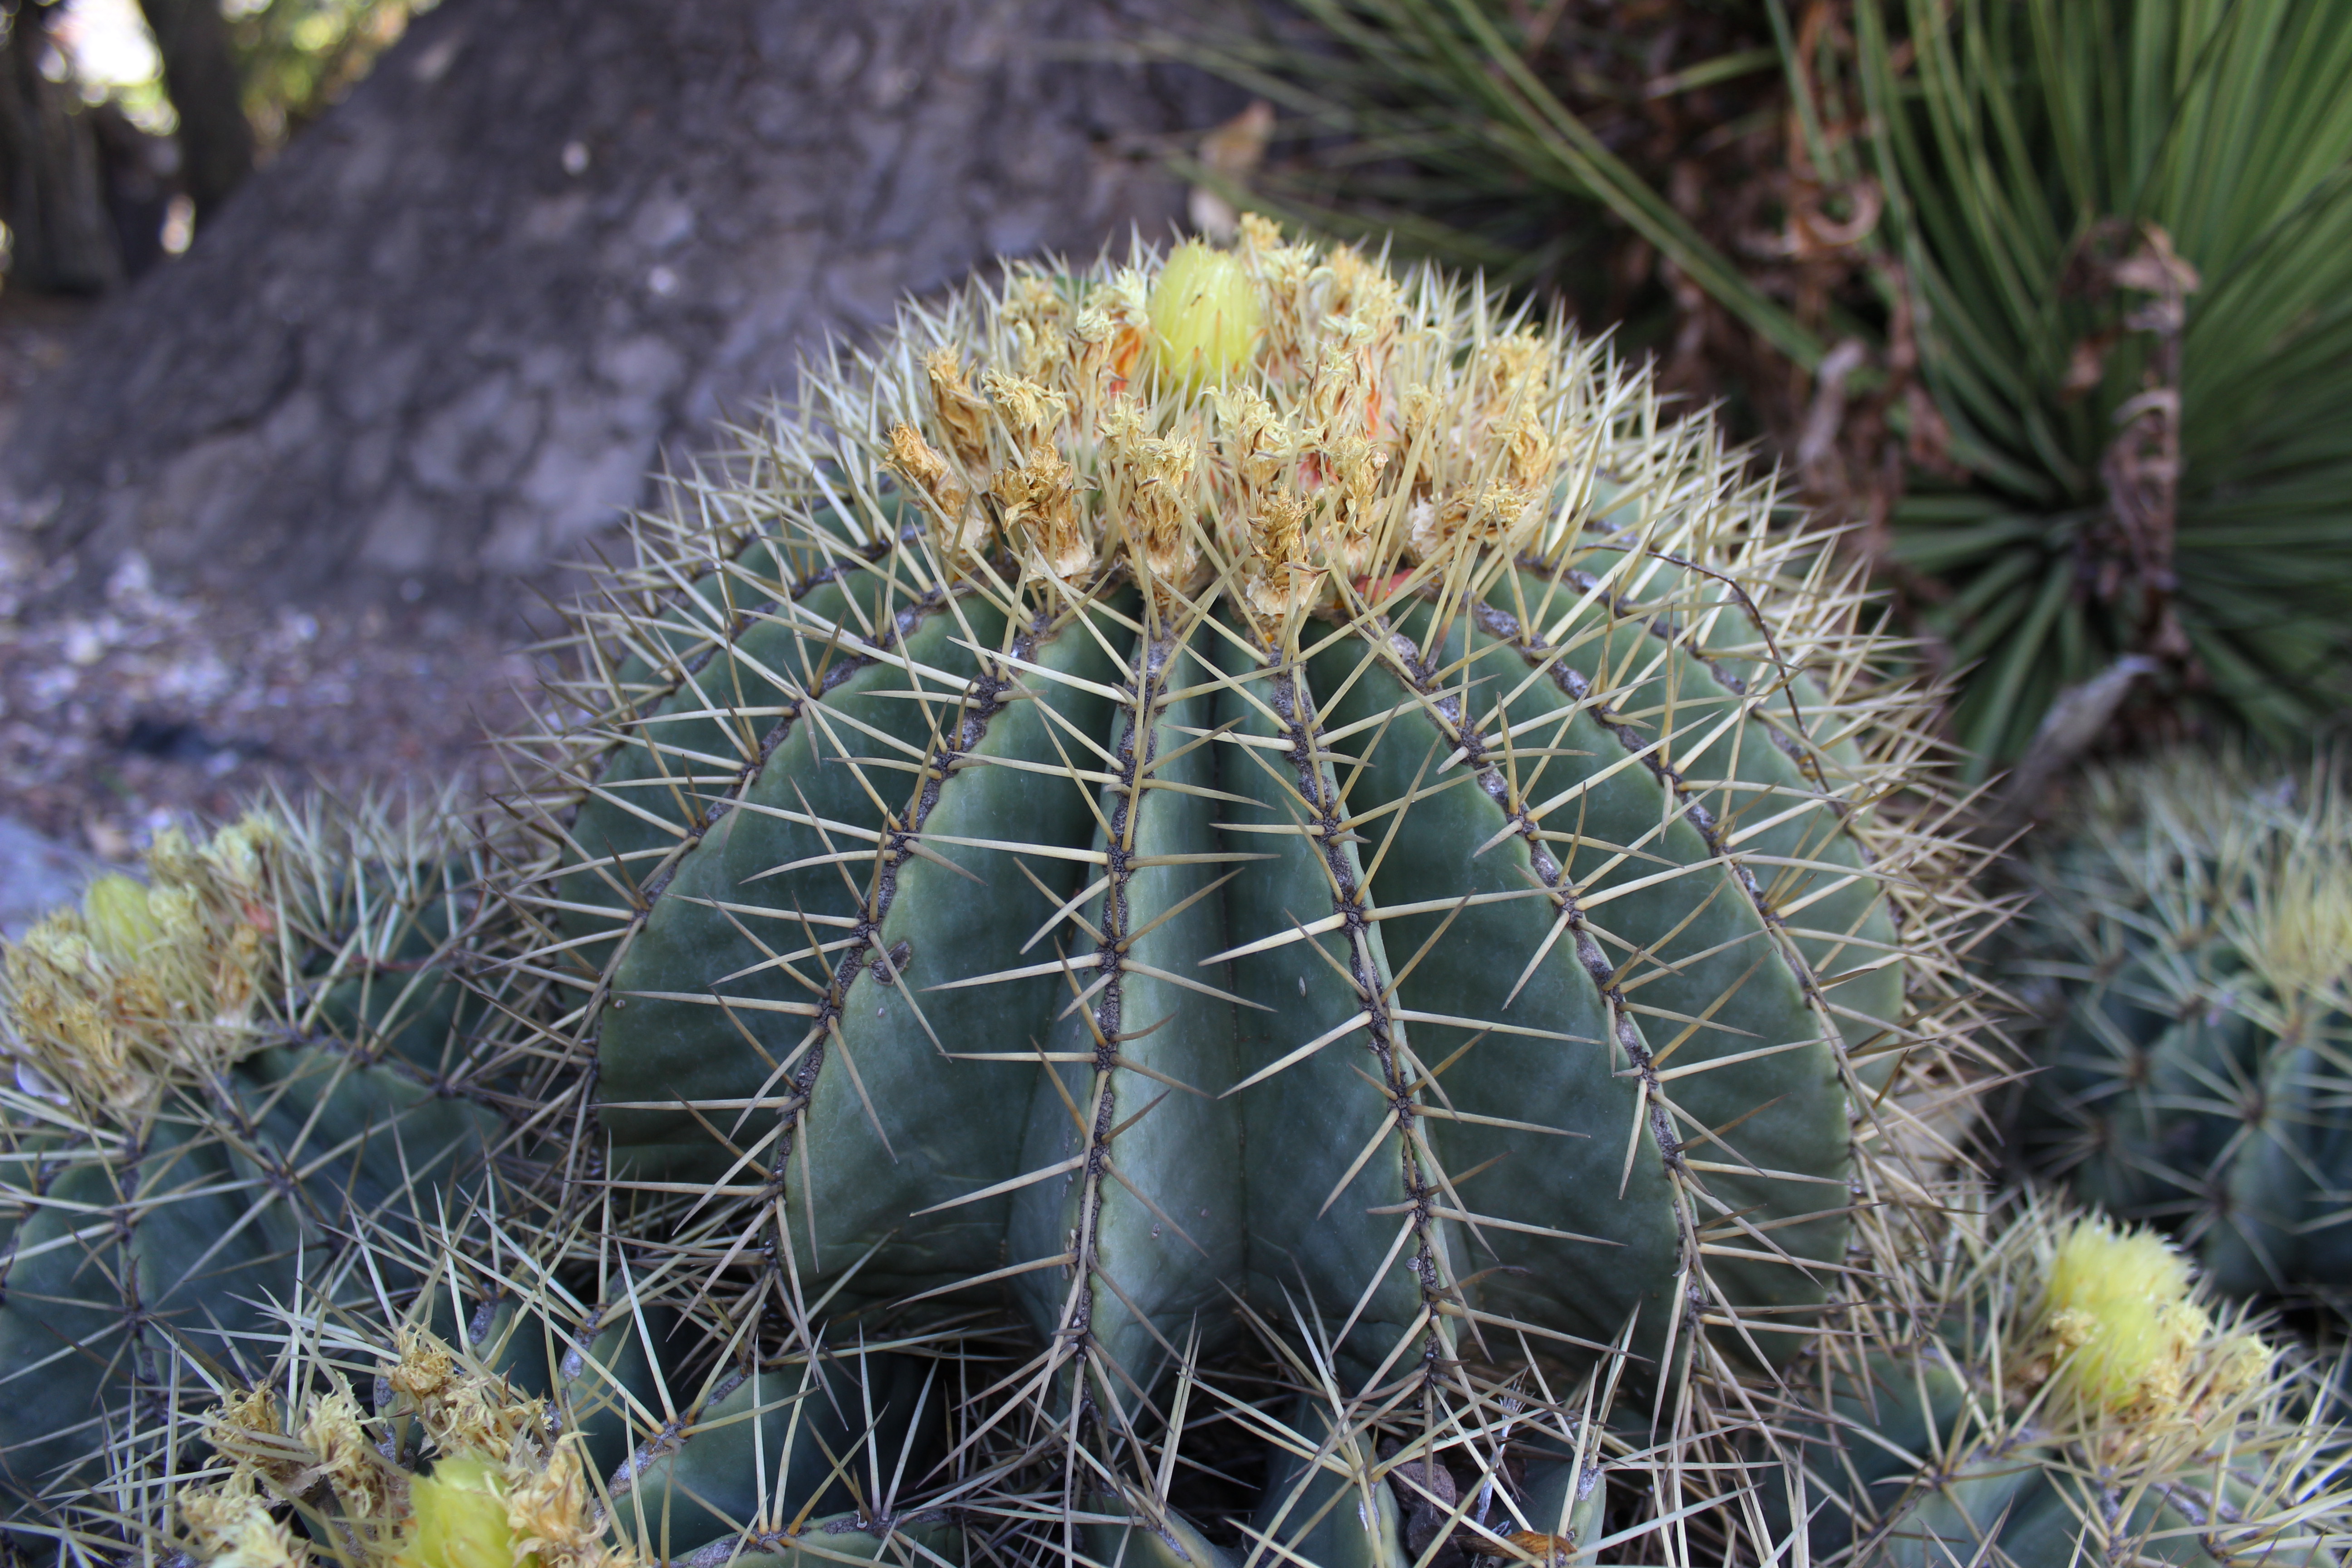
(2062,1399)
(1376,828)
(2191,953)
(215,1075)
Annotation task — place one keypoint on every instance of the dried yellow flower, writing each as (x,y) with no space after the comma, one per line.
(367,1484)
(925,474)
(1282,580)
(1033,411)
(1151,476)
(231,1527)
(1040,319)
(960,410)
(1036,506)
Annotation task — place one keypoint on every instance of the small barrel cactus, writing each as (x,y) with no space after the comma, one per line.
(451,1461)
(2058,1396)
(213,1069)
(473,1412)
(2191,955)
(1247,778)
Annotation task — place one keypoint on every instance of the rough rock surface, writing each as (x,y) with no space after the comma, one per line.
(549,245)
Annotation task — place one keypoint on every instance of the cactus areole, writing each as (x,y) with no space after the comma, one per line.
(1364,820)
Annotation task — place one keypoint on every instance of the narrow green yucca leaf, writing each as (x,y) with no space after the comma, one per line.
(2029,147)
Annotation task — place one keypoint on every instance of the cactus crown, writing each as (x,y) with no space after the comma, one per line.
(506,1486)
(2126,1339)
(143,981)
(1285,422)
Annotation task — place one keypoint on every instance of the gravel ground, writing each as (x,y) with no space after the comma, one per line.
(36,873)
(154,709)
(114,723)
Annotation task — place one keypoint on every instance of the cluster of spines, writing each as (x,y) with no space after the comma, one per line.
(327,941)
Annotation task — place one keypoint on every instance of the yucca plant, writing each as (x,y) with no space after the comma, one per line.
(2129,230)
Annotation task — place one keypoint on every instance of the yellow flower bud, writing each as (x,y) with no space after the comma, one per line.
(458,1519)
(118,915)
(1204,316)
(2120,1316)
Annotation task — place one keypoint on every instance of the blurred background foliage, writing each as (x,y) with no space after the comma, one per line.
(296,57)
(2051,298)
(124,122)
(2128,225)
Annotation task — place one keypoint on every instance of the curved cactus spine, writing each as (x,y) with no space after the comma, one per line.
(2191,952)
(213,1073)
(2060,1395)
(1112,838)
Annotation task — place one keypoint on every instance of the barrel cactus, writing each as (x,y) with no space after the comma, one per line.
(2190,954)
(212,1070)
(2058,1395)
(489,1418)
(1244,778)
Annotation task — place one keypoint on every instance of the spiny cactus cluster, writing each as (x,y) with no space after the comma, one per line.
(1224,911)
(2058,1396)
(2191,954)
(213,1069)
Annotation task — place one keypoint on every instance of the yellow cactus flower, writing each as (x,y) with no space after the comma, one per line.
(119,916)
(459,1519)
(2125,1338)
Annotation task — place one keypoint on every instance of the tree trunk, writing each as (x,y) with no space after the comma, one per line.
(550,244)
(216,139)
(61,240)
